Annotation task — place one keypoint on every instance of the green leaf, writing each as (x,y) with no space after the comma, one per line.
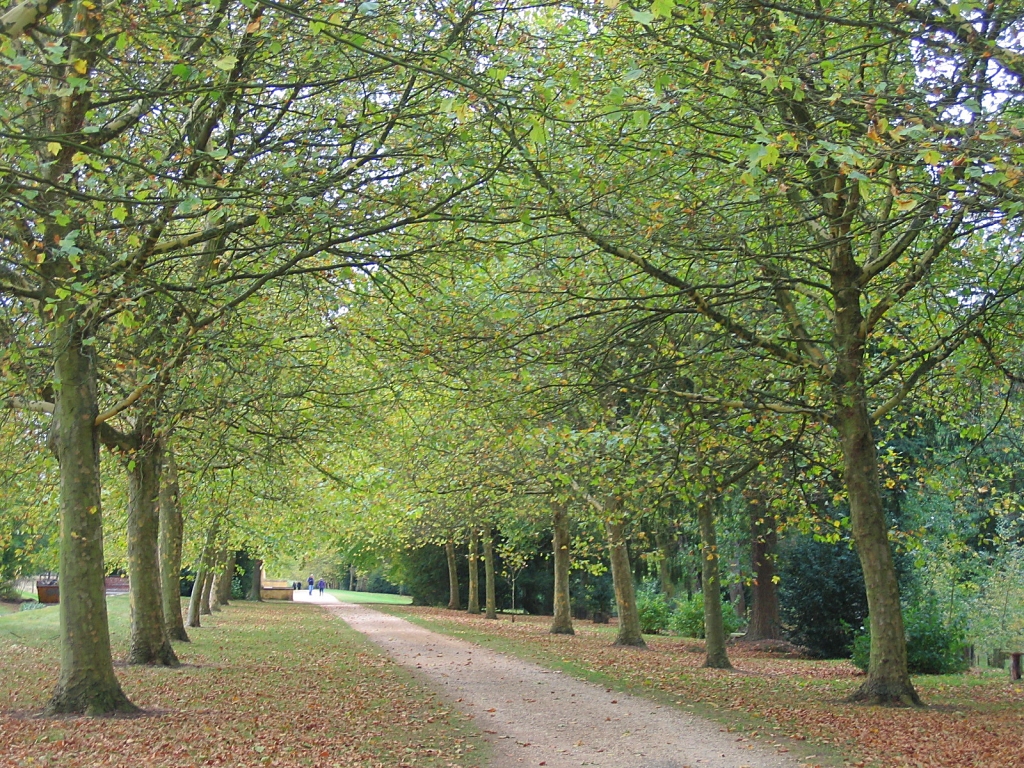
(663,8)
(227,63)
(641,119)
(641,17)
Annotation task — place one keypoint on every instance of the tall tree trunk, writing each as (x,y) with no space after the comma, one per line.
(736,594)
(622,578)
(765,623)
(473,603)
(714,629)
(208,603)
(888,680)
(195,602)
(196,598)
(562,622)
(491,602)
(226,577)
(171,531)
(149,641)
(257,581)
(668,587)
(87,683)
(454,603)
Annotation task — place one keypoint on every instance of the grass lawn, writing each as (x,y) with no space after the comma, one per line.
(973,720)
(276,684)
(374,598)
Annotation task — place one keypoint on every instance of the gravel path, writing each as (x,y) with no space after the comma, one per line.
(535,716)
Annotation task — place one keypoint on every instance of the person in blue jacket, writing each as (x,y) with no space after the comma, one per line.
(310,582)
(321,585)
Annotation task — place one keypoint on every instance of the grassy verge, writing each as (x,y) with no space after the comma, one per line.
(372,598)
(972,720)
(277,684)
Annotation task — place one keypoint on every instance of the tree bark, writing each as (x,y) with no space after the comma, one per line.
(149,643)
(473,603)
(714,629)
(87,683)
(208,603)
(562,609)
(625,592)
(668,586)
(454,603)
(765,623)
(491,602)
(171,531)
(196,598)
(226,577)
(888,680)
(257,581)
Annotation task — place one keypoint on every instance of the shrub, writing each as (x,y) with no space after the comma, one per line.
(821,595)
(592,594)
(688,617)
(934,647)
(31,605)
(653,607)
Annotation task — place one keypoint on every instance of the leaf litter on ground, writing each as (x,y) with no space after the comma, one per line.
(974,720)
(262,684)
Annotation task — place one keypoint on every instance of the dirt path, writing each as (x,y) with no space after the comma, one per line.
(535,716)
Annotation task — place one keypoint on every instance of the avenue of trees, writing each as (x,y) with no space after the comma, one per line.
(660,288)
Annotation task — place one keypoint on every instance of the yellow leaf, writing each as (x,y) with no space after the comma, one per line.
(54,147)
(80,66)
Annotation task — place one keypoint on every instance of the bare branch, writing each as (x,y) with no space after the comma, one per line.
(37,406)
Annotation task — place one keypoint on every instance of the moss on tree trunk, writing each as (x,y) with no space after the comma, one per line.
(716,656)
(622,578)
(562,608)
(171,530)
(491,604)
(473,603)
(454,602)
(149,642)
(87,684)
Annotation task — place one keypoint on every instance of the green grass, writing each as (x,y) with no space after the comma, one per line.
(374,598)
(273,683)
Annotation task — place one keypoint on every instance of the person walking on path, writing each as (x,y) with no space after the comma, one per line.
(321,585)
(310,582)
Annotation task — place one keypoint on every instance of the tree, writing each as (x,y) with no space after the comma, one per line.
(795,184)
(137,172)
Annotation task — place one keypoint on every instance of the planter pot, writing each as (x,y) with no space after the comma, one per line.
(48,593)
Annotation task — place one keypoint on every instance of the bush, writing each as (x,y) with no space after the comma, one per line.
(933,646)
(592,594)
(821,595)
(653,607)
(688,617)
(31,605)
(237,590)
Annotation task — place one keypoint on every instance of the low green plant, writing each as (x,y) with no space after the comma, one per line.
(31,605)
(653,607)
(934,647)
(688,617)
